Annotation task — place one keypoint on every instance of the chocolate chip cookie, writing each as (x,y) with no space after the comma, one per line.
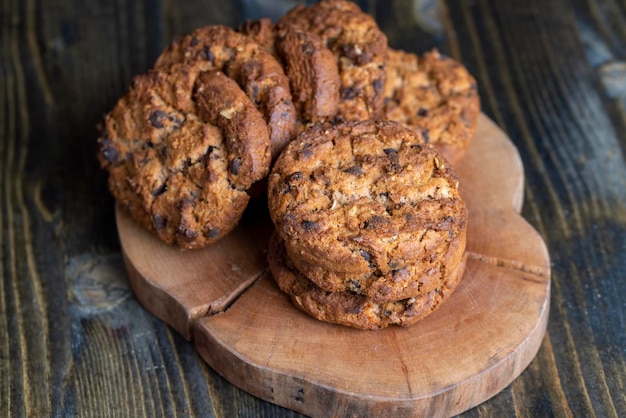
(360,49)
(413,280)
(350,309)
(434,95)
(366,198)
(310,66)
(255,70)
(181,148)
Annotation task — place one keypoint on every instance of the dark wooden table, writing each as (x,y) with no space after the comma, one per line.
(75,342)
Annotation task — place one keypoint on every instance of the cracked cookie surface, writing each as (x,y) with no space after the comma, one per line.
(434,95)
(366,198)
(310,66)
(360,49)
(350,309)
(181,149)
(256,71)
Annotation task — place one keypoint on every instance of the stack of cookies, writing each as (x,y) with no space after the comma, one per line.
(357,140)
(370,227)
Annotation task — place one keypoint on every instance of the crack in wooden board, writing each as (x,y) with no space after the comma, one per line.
(513,243)
(181,286)
(510,264)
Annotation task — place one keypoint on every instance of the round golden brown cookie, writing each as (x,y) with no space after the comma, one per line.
(181,149)
(255,70)
(360,49)
(413,280)
(364,198)
(435,95)
(310,66)
(350,309)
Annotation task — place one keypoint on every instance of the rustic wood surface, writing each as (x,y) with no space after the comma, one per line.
(75,342)
(473,346)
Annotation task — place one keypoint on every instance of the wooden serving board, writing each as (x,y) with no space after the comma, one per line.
(224,300)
